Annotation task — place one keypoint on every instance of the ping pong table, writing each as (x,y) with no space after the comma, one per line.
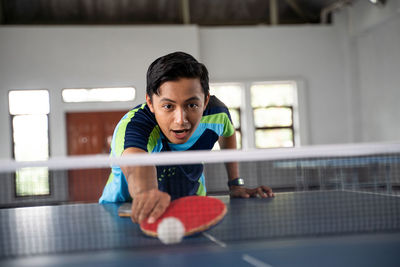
(310,228)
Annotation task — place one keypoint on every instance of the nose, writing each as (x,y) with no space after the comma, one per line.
(180,116)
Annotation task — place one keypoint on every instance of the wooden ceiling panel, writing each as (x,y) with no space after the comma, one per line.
(201,12)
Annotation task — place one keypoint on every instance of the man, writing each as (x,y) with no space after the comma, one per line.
(179,115)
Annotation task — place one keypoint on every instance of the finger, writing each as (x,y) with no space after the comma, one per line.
(252,192)
(244,195)
(136,207)
(158,210)
(139,209)
(261,193)
(268,191)
(133,210)
(148,206)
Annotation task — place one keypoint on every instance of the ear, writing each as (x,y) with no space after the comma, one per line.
(149,103)
(206,101)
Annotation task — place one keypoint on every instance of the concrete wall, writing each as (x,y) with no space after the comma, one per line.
(68,57)
(54,58)
(311,54)
(372,37)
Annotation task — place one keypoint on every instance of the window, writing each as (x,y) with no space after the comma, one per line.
(231,95)
(99,94)
(273,113)
(29,111)
(265,114)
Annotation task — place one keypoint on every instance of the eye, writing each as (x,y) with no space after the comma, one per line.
(193,106)
(167,106)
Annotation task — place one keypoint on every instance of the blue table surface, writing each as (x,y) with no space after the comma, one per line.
(316,228)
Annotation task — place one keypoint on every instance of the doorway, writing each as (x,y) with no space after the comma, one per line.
(89,133)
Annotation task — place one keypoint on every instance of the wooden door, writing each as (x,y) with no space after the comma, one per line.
(88,134)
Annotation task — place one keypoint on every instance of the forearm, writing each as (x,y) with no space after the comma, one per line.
(232,168)
(139,178)
(148,201)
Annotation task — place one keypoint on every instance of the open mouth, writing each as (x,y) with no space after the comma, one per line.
(180,134)
(179,131)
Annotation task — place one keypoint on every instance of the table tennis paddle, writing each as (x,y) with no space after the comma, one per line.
(197,214)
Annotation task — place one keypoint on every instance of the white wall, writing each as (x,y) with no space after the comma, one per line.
(54,58)
(373,37)
(74,57)
(350,70)
(58,57)
(309,53)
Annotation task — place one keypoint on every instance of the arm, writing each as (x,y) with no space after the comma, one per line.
(148,201)
(232,169)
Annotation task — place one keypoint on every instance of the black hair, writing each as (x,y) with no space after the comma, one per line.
(172,67)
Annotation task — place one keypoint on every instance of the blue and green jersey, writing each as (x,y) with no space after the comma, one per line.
(138,128)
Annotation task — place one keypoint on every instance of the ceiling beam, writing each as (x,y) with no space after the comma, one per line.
(185,7)
(297,9)
(333,7)
(274,12)
(1,13)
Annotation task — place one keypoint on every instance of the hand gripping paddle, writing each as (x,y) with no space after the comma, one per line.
(196,213)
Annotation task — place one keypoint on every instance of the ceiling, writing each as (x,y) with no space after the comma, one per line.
(158,12)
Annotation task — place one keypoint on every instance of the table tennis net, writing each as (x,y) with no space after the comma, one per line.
(52,206)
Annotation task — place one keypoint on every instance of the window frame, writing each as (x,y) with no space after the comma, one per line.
(239,109)
(99,101)
(239,129)
(291,127)
(300,123)
(14,174)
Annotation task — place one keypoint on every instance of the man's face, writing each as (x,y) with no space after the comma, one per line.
(178,108)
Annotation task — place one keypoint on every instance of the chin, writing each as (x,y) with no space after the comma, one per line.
(180,141)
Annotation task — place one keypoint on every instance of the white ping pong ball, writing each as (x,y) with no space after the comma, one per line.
(170,230)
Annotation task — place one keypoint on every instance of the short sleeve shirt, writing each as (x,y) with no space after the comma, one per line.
(138,128)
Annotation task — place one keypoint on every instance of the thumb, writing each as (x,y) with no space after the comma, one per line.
(244,195)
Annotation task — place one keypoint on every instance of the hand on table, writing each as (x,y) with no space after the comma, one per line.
(243,192)
(149,205)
